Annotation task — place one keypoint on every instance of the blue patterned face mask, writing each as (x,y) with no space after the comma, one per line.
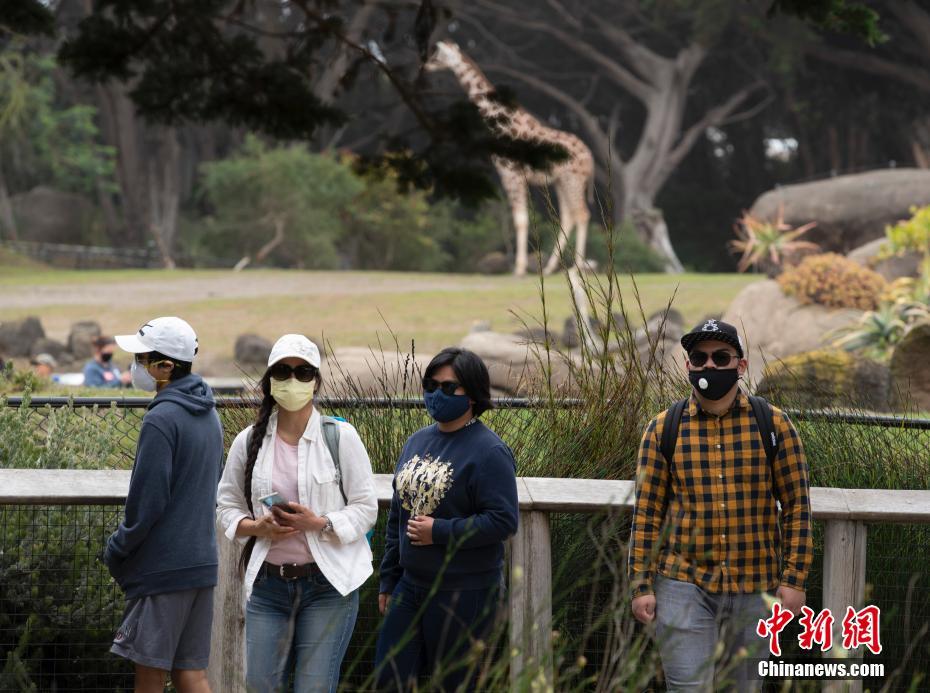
(445,408)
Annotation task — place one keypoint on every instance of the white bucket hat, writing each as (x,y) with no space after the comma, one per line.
(295,345)
(170,336)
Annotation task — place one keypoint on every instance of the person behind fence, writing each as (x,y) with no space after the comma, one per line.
(722,514)
(298,494)
(100,371)
(163,554)
(454,505)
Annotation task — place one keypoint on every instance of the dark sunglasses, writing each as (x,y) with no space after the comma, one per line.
(304,373)
(448,387)
(721,358)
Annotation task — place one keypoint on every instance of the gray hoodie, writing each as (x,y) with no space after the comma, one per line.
(167,541)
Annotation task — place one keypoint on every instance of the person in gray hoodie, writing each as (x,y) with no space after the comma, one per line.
(163,555)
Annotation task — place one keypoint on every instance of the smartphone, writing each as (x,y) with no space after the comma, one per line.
(275,500)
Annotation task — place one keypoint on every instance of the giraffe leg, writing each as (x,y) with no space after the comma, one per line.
(516,190)
(582,216)
(566,222)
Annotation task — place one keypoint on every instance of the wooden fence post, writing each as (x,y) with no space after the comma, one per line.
(843,585)
(531,602)
(227,646)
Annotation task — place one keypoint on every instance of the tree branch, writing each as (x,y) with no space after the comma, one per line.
(916,19)
(857,60)
(645,61)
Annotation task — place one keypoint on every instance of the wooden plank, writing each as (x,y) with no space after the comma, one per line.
(578,495)
(226,671)
(844,557)
(63,486)
(531,602)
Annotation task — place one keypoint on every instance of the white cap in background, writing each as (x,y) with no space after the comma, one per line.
(295,345)
(170,336)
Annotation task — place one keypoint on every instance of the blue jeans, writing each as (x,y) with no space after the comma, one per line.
(423,635)
(689,624)
(302,625)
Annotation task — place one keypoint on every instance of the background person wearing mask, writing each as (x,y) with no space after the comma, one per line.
(100,370)
(163,555)
(43,365)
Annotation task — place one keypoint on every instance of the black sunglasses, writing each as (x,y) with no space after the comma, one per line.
(304,373)
(721,358)
(448,387)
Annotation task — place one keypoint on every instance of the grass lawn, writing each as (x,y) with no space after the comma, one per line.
(348,308)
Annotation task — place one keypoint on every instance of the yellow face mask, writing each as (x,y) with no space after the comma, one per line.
(291,394)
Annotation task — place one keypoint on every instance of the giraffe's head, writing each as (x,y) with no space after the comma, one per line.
(447,56)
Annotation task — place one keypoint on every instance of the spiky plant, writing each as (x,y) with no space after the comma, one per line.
(767,245)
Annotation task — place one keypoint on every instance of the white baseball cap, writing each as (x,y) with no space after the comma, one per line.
(170,336)
(295,345)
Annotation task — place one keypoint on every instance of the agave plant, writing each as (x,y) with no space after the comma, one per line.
(767,244)
(878,331)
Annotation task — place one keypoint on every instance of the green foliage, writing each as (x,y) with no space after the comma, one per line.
(834,281)
(262,189)
(911,235)
(846,16)
(768,244)
(51,144)
(630,254)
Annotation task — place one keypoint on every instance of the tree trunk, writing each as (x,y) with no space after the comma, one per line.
(7,220)
(164,193)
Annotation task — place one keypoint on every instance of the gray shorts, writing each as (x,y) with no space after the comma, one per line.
(167,631)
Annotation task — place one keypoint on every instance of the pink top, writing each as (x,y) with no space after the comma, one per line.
(293,549)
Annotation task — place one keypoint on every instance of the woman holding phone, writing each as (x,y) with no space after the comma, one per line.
(454,505)
(298,494)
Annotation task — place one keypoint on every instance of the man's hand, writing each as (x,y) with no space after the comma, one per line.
(384,601)
(303,518)
(791,599)
(420,530)
(644,608)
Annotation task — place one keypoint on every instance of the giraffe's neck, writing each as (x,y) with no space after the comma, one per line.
(480,92)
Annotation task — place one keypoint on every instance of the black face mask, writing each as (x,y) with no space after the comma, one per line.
(106,358)
(713,383)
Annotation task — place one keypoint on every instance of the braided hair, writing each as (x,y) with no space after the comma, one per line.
(256,438)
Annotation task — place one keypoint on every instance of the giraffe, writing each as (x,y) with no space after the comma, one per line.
(571,178)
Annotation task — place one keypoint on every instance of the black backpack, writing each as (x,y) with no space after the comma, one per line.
(761,410)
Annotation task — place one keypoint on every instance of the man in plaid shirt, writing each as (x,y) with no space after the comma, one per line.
(708,535)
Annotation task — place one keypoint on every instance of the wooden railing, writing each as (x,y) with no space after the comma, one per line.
(845,513)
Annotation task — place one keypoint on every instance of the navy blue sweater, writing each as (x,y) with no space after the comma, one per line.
(167,541)
(466,481)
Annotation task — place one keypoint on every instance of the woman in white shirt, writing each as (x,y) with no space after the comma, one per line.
(304,558)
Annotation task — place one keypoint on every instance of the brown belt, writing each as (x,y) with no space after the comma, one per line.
(290,571)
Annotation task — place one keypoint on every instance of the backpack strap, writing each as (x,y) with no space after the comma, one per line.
(330,425)
(670,429)
(762,410)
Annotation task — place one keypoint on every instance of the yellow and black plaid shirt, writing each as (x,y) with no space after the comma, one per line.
(709,516)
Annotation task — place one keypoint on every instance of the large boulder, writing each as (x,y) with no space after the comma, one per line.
(52,216)
(849,210)
(517,366)
(910,370)
(18,336)
(495,262)
(81,339)
(252,350)
(828,378)
(895,267)
(775,326)
(362,372)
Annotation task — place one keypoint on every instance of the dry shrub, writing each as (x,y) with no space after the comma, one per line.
(834,281)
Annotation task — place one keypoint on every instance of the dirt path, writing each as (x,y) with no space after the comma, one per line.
(225,285)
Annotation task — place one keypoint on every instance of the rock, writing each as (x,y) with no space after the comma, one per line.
(53,347)
(18,336)
(516,366)
(494,263)
(51,216)
(481,326)
(775,326)
(907,265)
(910,370)
(660,327)
(361,372)
(672,316)
(665,355)
(535,335)
(81,339)
(570,338)
(828,378)
(251,349)
(849,210)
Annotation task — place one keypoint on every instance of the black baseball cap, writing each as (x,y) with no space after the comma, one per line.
(716,330)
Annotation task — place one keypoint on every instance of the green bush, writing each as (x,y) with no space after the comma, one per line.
(630,253)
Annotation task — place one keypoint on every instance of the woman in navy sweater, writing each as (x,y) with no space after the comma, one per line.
(454,505)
